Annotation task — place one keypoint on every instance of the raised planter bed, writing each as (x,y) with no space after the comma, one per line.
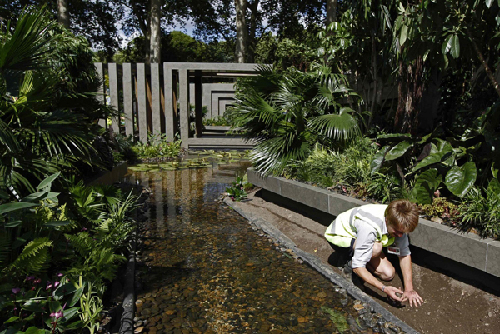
(465,248)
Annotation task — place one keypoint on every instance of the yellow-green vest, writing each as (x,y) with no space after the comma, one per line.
(342,229)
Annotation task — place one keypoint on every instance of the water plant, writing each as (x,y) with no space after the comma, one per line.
(238,189)
(157,147)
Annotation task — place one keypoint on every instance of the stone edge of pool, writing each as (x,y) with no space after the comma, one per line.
(323,269)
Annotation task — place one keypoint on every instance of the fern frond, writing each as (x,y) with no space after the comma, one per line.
(82,242)
(33,258)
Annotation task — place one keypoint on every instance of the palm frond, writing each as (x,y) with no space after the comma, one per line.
(340,126)
(27,48)
(272,156)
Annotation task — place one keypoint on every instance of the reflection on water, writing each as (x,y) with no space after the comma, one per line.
(208,271)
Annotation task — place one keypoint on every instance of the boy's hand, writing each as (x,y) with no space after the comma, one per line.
(391,292)
(413,298)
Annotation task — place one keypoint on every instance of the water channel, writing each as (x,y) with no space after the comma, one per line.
(205,270)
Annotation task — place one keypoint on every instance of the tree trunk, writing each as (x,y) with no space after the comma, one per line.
(410,89)
(241,30)
(62,13)
(155,38)
(374,101)
(251,41)
(489,73)
(331,11)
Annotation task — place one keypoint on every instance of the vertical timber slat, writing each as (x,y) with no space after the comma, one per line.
(113,92)
(100,90)
(198,108)
(156,99)
(127,98)
(141,103)
(169,101)
(184,101)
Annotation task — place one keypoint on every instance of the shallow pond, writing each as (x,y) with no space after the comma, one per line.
(205,270)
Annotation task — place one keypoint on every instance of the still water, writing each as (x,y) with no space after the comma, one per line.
(205,270)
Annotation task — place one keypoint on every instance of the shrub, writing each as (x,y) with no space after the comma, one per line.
(481,210)
(157,147)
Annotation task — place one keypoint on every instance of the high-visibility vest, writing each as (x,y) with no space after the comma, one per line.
(342,230)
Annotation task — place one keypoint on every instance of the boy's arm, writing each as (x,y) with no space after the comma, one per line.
(410,294)
(366,276)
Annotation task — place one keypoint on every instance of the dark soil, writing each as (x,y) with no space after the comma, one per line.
(451,305)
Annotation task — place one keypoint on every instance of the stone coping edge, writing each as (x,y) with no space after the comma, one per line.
(465,248)
(127,317)
(110,177)
(326,271)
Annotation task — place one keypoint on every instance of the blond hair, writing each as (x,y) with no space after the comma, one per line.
(402,214)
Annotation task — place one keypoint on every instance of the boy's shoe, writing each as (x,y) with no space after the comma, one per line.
(349,275)
(347,270)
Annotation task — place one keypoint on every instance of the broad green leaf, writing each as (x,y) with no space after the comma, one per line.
(446,46)
(14,223)
(76,297)
(430,177)
(378,158)
(34,305)
(398,150)
(460,179)
(13,206)
(11,319)
(54,306)
(494,187)
(64,290)
(75,325)
(70,313)
(404,35)
(47,182)
(35,330)
(421,193)
(489,3)
(40,195)
(438,152)
(57,224)
(455,46)
(441,146)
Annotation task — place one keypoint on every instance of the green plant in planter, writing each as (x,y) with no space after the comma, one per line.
(384,187)
(481,210)
(440,207)
(428,163)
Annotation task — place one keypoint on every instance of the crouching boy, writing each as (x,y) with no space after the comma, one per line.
(365,230)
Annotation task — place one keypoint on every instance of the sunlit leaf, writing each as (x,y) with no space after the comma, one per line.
(460,179)
(398,150)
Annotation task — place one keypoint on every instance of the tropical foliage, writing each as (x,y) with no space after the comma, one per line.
(288,113)
(46,117)
(60,241)
(56,257)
